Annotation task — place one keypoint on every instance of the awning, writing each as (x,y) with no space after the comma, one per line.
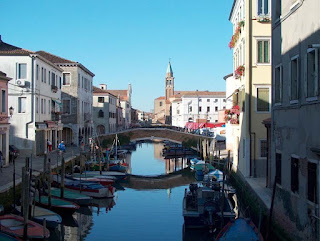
(195,125)
(58,102)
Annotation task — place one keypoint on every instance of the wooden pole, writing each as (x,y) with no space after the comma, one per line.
(62,176)
(45,159)
(44,229)
(25,181)
(49,183)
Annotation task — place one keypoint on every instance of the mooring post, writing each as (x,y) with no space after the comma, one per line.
(62,176)
(25,180)
(45,158)
(49,183)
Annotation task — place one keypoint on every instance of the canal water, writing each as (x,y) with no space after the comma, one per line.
(136,214)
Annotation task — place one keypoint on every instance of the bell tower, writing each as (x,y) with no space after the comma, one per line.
(169,82)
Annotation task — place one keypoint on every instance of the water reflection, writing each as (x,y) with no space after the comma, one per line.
(144,214)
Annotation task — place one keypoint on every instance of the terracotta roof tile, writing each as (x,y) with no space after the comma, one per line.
(53,58)
(179,94)
(96,90)
(119,92)
(8,49)
(160,98)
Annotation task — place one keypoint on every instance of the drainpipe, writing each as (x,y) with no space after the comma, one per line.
(250,82)
(32,96)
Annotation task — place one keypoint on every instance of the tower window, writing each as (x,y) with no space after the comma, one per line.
(160,103)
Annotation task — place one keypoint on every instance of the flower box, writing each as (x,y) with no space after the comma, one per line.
(236,35)
(239,72)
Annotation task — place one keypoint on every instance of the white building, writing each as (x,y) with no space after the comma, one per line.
(197,107)
(104,110)
(76,99)
(35,95)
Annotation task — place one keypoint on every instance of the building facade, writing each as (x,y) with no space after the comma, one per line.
(251,100)
(104,110)
(35,95)
(197,106)
(4,124)
(295,148)
(76,98)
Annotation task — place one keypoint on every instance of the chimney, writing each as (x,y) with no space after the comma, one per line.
(103,86)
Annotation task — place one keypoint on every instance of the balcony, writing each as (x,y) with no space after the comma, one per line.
(55,116)
(54,88)
(232,115)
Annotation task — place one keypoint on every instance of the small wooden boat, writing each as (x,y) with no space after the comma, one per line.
(107,174)
(240,229)
(57,204)
(13,225)
(6,237)
(38,214)
(91,189)
(101,180)
(78,198)
(118,167)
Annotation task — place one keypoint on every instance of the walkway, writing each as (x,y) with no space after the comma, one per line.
(6,176)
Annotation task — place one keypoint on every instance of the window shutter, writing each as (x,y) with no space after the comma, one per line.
(306,76)
(298,78)
(290,80)
(280,85)
(17,68)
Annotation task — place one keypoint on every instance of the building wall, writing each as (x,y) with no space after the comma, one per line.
(159,109)
(4,124)
(295,126)
(19,136)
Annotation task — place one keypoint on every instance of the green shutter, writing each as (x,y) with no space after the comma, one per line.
(259,51)
(263,99)
(266,51)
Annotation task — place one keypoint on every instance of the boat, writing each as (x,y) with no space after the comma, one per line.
(6,237)
(103,181)
(119,167)
(194,161)
(106,174)
(38,214)
(91,189)
(116,158)
(59,205)
(202,166)
(14,226)
(202,206)
(78,198)
(240,229)
(216,174)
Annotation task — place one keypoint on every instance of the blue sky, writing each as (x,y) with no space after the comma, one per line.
(129,41)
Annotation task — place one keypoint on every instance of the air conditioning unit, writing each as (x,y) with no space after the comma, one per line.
(21,82)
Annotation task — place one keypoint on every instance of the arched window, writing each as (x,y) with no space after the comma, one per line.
(101,130)
(101,114)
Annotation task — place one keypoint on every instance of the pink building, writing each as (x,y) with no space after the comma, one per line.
(4,124)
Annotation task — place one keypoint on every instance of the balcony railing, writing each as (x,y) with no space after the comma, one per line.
(232,115)
(54,88)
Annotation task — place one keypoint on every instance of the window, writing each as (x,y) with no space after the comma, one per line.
(49,107)
(44,106)
(178,112)
(216,100)
(208,100)
(100,99)
(60,82)
(294,66)
(37,72)
(101,114)
(190,109)
(312,73)
(216,121)
(224,100)
(49,76)
(263,47)
(200,100)
(53,79)
(22,74)
(37,105)
(278,84)
(22,104)
(66,79)
(263,148)
(263,7)
(263,102)
(294,174)
(208,108)
(82,82)
(312,182)
(41,106)
(78,80)
(44,75)
(66,106)
(3,101)
(160,103)
(41,74)
(278,168)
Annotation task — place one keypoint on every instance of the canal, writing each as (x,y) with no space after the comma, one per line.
(136,213)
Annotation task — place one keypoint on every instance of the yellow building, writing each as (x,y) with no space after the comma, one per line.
(251,80)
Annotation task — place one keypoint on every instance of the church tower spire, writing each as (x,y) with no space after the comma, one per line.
(169,81)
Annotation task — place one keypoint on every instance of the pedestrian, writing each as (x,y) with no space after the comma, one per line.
(62,147)
(49,145)
(1,164)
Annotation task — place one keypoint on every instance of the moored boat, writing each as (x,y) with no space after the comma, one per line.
(240,229)
(202,207)
(57,204)
(78,198)
(103,181)
(6,237)
(14,226)
(38,214)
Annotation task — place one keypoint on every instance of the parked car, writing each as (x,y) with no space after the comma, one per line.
(13,152)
